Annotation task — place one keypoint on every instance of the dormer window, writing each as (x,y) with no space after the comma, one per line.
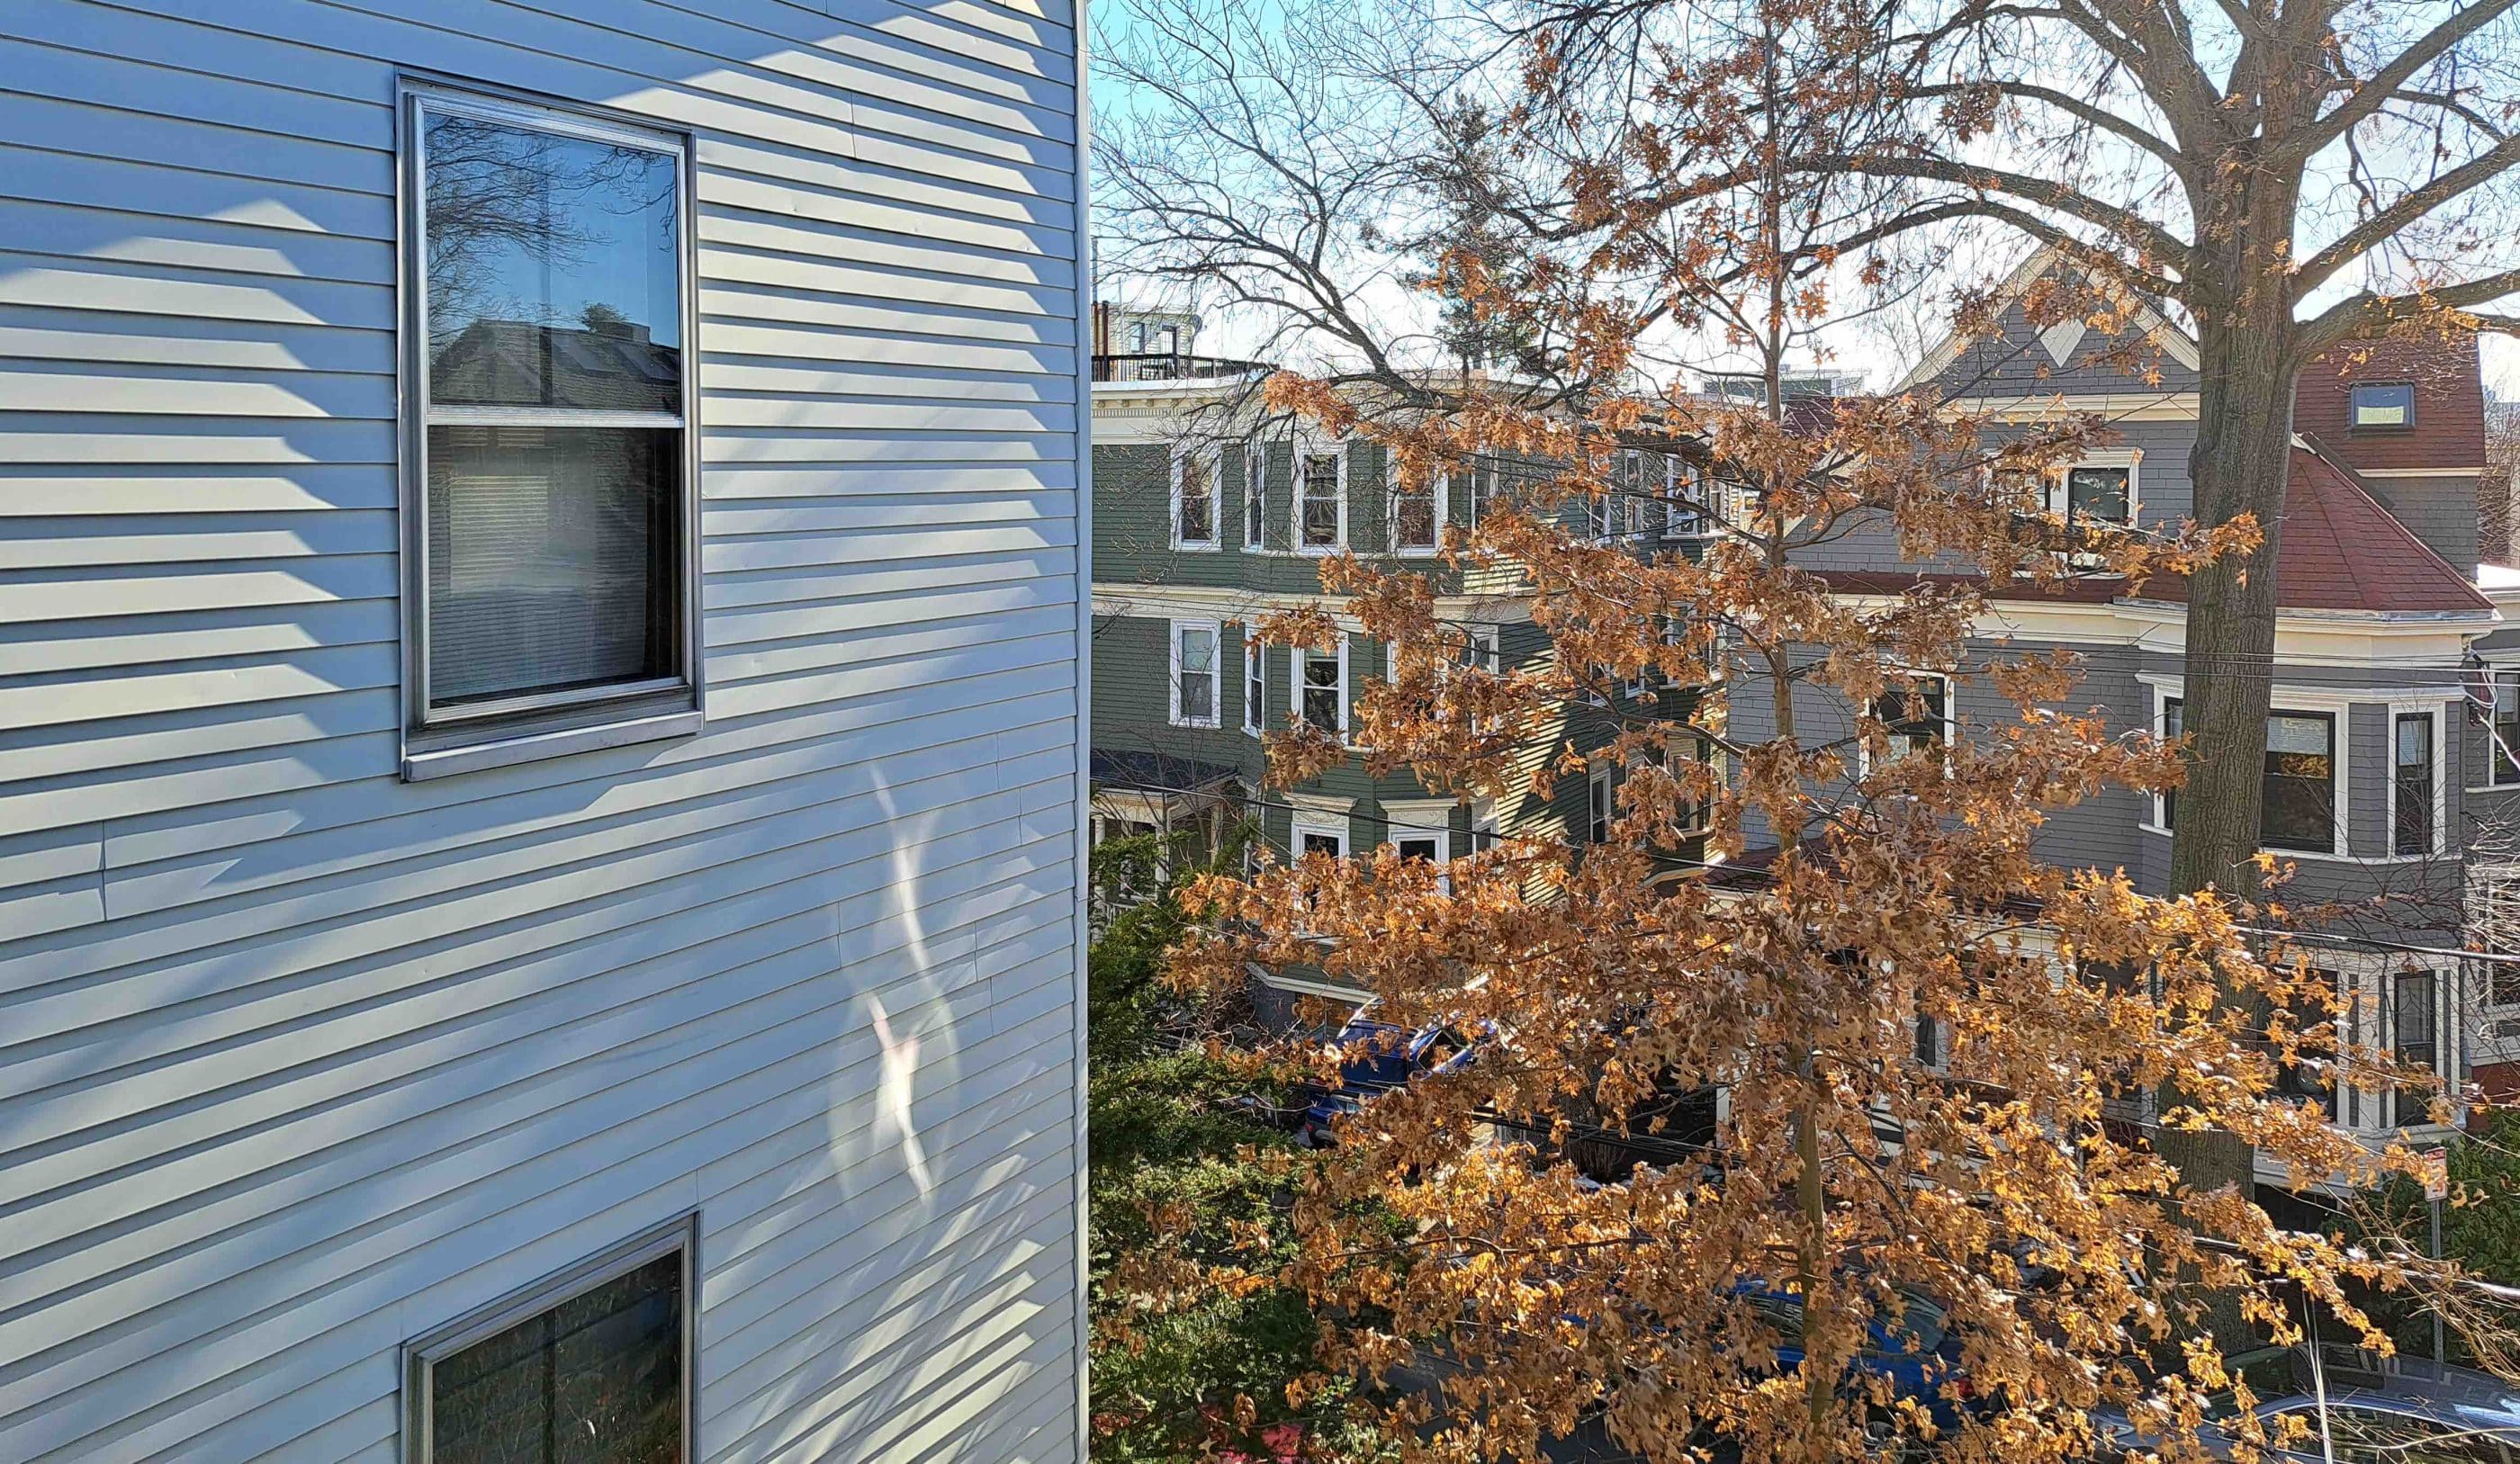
(2381,407)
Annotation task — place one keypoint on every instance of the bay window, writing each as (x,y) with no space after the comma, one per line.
(2413,762)
(2299,785)
(550,522)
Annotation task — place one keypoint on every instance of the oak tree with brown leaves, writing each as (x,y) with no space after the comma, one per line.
(1803,872)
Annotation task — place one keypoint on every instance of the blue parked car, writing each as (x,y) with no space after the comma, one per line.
(1917,1352)
(1378,1057)
(2421,1413)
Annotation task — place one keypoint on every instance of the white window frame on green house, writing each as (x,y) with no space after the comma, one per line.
(1256,683)
(1297,658)
(1300,481)
(1255,494)
(1600,802)
(450,736)
(1685,514)
(1176,631)
(1480,479)
(1423,823)
(423,1356)
(1208,464)
(1316,822)
(1430,487)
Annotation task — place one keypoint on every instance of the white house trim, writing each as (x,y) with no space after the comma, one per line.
(1215,672)
(1306,449)
(1211,463)
(2443,752)
(1295,656)
(2336,702)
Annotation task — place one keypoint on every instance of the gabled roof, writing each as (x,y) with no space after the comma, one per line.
(2337,550)
(2176,343)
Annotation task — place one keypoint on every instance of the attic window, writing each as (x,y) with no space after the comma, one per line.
(2382,405)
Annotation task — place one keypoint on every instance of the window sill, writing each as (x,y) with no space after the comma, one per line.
(424,762)
(1196,723)
(1196,548)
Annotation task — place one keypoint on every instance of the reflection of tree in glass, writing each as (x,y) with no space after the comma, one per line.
(595,1380)
(499,197)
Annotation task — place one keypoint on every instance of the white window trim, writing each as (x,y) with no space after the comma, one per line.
(2328,701)
(1441,494)
(1683,478)
(1216,671)
(1211,461)
(1599,783)
(1296,683)
(2496,673)
(1255,664)
(1422,819)
(1315,448)
(2438,712)
(1251,498)
(1951,718)
(1469,486)
(437,743)
(1316,821)
(421,1354)
(2130,459)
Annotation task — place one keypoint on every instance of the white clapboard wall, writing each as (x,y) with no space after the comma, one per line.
(298,1060)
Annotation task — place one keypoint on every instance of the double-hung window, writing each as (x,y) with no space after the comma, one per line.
(549,518)
(1195,672)
(2300,782)
(1417,513)
(1255,464)
(595,1363)
(1917,713)
(2297,792)
(1320,687)
(1478,480)
(2415,763)
(1684,513)
(1599,806)
(1256,683)
(2097,493)
(2503,729)
(1195,479)
(1321,499)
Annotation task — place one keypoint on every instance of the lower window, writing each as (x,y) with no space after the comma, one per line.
(592,1367)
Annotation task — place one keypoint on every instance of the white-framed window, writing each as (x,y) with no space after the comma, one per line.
(2493,927)
(1320,498)
(2419,792)
(1317,831)
(1255,497)
(1416,514)
(1476,481)
(2100,488)
(1684,512)
(604,1352)
(1916,711)
(2502,733)
(1319,678)
(1483,648)
(1256,683)
(1421,830)
(2301,795)
(1195,684)
(1196,473)
(1682,758)
(1600,804)
(551,522)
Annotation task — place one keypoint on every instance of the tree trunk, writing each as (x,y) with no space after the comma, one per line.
(2241,464)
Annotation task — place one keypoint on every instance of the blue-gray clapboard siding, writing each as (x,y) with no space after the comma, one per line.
(296,1060)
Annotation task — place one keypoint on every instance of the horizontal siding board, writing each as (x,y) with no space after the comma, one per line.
(130,235)
(298,1059)
(29,335)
